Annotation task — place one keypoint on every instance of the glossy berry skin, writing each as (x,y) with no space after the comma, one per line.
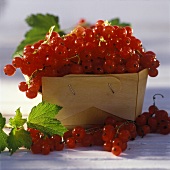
(67,134)
(78,133)
(117,142)
(153,123)
(152,109)
(124,135)
(59,146)
(31,94)
(146,129)
(23,86)
(107,146)
(9,70)
(17,62)
(45,149)
(153,72)
(36,149)
(161,115)
(108,133)
(140,120)
(116,150)
(71,142)
(87,140)
(164,128)
(57,138)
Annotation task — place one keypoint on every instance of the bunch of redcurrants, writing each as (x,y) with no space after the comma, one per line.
(102,49)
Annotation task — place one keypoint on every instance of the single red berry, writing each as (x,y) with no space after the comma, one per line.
(9,70)
(116,150)
(140,120)
(107,146)
(71,142)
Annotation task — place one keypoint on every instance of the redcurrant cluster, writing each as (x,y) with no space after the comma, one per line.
(116,134)
(102,49)
(42,144)
(153,121)
(113,138)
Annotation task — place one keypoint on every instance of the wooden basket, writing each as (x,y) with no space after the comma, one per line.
(88,99)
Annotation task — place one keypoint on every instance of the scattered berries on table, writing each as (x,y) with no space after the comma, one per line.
(113,136)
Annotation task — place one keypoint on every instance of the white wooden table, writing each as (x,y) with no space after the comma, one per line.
(151,22)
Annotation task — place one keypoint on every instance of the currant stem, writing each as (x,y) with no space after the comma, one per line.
(154,98)
(50,33)
(93,130)
(124,123)
(34,74)
(75,57)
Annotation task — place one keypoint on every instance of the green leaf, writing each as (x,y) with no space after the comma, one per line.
(40,25)
(3,139)
(43,21)
(17,121)
(116,21)
(3,135)
(2,121)
(43,118)
(18,138)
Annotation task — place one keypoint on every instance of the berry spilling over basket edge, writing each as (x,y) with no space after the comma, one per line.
(104,48)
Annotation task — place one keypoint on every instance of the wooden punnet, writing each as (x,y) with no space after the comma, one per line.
(88,99)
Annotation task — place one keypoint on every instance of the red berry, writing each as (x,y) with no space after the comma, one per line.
(116,150)
(152,122)
(161,115)
(71,142)
(31,94)
(59,146)
(17,62)
(9,70)
(140,120)
(23,86)
(78,133)
(117,142)
(108,133)
(124,135)
(45,149)
(107,146)
(87,140)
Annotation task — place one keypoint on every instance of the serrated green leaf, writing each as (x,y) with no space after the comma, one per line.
(17,121)
(44,21)
(2,121)
(43,118)
(124,24)
(3,140)
(116,21)
(18,138)
(43,109)
(40,25)
(3,135)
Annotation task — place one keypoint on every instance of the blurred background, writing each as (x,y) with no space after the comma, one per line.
(150,20)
